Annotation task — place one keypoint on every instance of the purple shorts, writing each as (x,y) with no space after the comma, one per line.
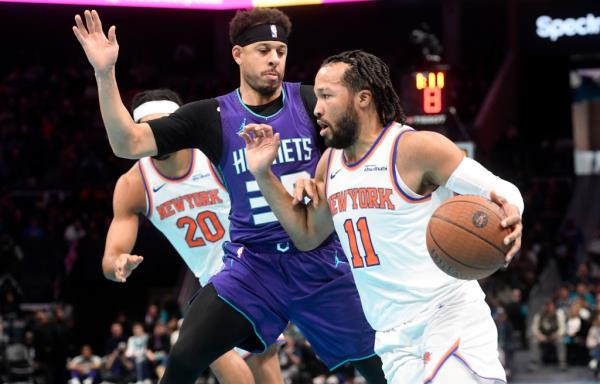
(314,290)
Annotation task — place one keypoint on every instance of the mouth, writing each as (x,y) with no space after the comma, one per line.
(324,127)
(271,75)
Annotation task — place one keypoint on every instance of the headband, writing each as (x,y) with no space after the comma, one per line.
(153,107)
(261,32)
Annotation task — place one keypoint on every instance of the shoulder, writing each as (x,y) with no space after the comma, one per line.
(200,107)
(130,191)
(424,145)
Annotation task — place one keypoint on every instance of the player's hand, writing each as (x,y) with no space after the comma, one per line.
(308,188)
(125,264)
(261,147)
(512,221)
(102,52)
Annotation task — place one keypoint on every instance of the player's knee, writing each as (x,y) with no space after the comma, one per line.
(184,355)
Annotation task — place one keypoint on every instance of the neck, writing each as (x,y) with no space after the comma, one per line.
(369,129)
(251,97)
(176,165)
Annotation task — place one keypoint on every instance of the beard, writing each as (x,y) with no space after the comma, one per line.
(264,89)
(345,132)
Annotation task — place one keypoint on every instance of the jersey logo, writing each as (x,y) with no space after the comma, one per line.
(332,175)
(242,125)
(373,168)
(158,188)
(198,176)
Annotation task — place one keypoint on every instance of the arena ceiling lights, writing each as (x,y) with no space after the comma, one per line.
(188,4)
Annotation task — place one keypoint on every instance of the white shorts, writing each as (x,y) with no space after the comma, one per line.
(427,348)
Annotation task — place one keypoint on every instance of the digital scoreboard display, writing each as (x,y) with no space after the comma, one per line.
(424,97)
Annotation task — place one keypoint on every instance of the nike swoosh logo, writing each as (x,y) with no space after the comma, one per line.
(159,187)
(333,174)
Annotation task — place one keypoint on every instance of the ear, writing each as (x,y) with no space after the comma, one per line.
(364,98)
(236,52)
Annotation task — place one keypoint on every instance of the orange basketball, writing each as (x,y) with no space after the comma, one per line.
(465,238)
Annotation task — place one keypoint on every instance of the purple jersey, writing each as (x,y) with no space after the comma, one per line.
(252,221)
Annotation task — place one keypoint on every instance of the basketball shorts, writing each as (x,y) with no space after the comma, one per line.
(272,285)
(457,339)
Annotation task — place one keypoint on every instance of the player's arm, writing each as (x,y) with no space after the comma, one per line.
(307,225)
(128,201)
(440,162)
(127,139)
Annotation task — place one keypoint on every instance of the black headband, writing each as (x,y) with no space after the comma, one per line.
(262,32)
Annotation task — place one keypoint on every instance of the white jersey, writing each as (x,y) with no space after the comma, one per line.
(381,224)
(191,211)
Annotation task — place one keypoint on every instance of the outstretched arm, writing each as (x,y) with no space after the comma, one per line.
(128,200)
(127,139)
(307,225)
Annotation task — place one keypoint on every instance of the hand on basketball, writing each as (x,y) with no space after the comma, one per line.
(261,147)
(308,188)
(512,221)
(102,52)
(125,264)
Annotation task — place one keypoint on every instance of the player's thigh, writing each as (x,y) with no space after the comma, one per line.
(231,368)
(265,367)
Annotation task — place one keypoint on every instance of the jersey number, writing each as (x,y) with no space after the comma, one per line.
(260,202)
(370,257)
(211,234)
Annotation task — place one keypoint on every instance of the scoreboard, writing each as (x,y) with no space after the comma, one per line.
(424,96)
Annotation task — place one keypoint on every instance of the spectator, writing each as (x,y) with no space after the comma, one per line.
(576,331)
(137,345)
(516,313)
(159,345)
(116,338)
(119,368)
(85,367)
(548,329)
(592,342)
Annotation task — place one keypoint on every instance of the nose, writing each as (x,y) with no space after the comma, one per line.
(273,58)
(318,112)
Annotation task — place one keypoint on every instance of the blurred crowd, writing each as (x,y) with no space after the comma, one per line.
(57,173)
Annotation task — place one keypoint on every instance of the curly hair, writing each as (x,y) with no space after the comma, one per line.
(367,71)
(257,16)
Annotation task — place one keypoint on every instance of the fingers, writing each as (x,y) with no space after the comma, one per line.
(120,269)
(258,130)
(246,138)
(81,28)
(97,22)
(311,192)
(78,35)
(306,187)
(298,191)
(133,261)
(88,21)
(513,251)
(112,34)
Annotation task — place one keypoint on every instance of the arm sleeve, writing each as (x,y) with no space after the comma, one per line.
(194,125)
(472,178)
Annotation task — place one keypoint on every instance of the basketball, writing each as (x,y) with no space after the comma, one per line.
(465,237)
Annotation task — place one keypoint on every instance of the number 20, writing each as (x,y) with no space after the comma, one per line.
(201,221)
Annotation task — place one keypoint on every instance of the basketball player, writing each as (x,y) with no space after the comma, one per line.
(377,188)
(266,280)
(183,197)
